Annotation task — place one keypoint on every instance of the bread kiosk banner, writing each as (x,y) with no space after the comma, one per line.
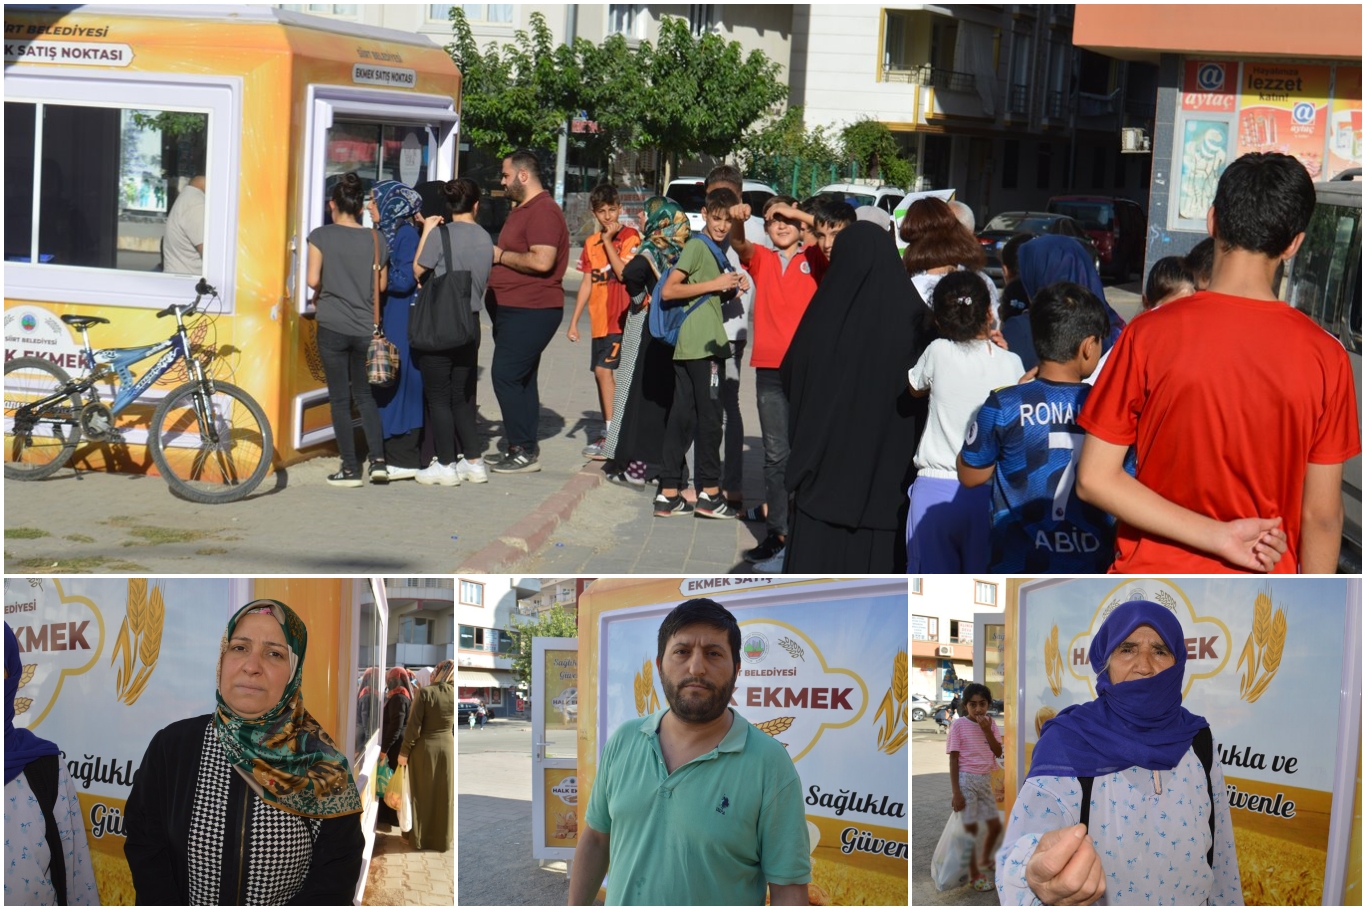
(1275,668)
(823,670)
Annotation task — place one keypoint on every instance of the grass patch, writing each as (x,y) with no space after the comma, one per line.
(149,535)
(79,538)
(26,533)
(79,564)
(210,551)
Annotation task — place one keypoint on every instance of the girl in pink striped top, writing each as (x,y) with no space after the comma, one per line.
(973,746)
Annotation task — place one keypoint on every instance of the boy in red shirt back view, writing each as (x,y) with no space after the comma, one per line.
(1242,409)
(784,284)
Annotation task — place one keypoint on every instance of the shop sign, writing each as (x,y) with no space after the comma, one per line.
(1210,86)
(370,74)
(1344,121)
(1284,108)
(694,587)
(68,53)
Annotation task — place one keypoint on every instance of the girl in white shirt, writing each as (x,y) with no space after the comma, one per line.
(948,526)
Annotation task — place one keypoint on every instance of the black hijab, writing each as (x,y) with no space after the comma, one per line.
(852,422)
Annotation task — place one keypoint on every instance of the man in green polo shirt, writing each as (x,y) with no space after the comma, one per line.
(693,804)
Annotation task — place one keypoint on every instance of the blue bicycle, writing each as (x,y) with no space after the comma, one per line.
(210,440)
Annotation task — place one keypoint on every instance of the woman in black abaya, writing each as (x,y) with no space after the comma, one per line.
(852,422)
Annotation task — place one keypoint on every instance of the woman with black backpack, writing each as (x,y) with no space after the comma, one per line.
(459,256)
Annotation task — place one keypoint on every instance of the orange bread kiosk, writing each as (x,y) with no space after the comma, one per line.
(111,113)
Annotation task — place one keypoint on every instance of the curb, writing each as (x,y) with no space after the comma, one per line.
(530,533)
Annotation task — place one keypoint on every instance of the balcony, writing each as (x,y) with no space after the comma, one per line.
(421,655)
(925,74)
(1142,111)
(1018,100)
(1055,105)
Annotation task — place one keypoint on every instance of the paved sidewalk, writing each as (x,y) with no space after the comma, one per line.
(402,876)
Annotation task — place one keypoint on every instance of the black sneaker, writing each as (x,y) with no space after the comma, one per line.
(379,472)
(517,461)
(671,505)
(345,478)
(707,507)
(766,550)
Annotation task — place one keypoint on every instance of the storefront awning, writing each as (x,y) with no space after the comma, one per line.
(484,678)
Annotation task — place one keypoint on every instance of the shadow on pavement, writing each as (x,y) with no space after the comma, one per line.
(930,810)
(494,864)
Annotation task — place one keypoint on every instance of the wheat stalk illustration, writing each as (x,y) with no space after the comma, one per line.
(139,638)
(895,705)
(792,648)
(1263,649)
(1052,661)
(775,726)
(647,701)
(22,704)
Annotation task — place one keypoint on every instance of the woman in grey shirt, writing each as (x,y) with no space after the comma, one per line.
(346,320)
(448,377)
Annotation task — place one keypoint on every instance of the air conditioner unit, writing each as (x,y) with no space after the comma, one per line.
(1134,140)
(945,650)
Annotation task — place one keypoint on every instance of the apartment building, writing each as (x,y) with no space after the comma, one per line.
(484,606)
(562,592)
(945,614)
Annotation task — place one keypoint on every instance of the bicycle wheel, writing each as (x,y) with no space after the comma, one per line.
(38,443)
(222,462)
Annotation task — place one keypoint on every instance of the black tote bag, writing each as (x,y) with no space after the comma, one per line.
(442,318)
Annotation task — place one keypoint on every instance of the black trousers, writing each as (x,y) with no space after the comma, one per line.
(343,358)
(448,381)
(694,418)
(520,336)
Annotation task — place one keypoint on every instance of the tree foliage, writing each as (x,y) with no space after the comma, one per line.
(870,143)
(787,137)
(553,623)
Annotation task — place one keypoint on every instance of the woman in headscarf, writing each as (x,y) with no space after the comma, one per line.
(398,701)
(1125,800)
(428,751)
(253,804)
(852,421)
(392,207)
(641,404)
(1047,260)
(41,809)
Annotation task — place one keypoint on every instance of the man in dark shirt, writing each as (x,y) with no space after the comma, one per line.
(525,287)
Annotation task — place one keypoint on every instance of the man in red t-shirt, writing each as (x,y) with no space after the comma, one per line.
(527,300)
(1242,409)
(784,285)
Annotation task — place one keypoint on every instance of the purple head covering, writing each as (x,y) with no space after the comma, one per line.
(21,746)
(1139,722)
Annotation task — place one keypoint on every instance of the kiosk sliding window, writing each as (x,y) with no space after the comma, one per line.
(107,181)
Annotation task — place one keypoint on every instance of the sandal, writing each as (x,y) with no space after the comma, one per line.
(983,883)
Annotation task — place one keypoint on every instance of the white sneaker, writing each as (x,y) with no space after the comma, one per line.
(773,563)
(470,472)
(438,474)
(396,473)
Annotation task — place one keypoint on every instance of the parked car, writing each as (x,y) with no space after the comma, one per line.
(884,197)
(921,707)
(691,192)
(1007,224)
(1118,226)
(1324,281)
(464,708)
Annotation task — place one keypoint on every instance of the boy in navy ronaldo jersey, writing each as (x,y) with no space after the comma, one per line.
(1027,437)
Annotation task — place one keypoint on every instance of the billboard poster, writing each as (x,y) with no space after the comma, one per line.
(1283,107)
(1265,661)
(561,675)
(1210,86)
(107,663)
(1344,121)
(1203,157)
(561,807)
(827,676)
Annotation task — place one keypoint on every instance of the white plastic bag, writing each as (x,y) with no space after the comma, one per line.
(951,865)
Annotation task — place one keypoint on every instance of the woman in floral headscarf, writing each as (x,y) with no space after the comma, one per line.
(641,403)
(392,207)
(253,804)
(428,751)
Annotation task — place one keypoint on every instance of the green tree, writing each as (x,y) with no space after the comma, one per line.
(870,143)
(609,91)
(553,623)
(517,95)
(700,94)
(783,152)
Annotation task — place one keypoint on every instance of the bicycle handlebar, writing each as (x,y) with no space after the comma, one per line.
(202,288)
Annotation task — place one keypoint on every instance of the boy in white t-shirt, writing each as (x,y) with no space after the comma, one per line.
(949,526)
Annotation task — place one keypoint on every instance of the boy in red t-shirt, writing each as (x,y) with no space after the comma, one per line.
(605,254)
(1241,408)
(784,284)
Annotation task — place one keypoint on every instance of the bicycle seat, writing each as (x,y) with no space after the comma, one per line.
(81,322)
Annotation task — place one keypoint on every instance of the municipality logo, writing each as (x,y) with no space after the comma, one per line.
(28,322)
(754,647)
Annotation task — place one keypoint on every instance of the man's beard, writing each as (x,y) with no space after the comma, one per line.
(694,706)
(516,191)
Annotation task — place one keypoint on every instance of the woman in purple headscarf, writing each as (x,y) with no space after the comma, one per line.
(41,809)
(1125,800)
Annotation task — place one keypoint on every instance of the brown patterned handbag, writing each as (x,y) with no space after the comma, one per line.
(381,357)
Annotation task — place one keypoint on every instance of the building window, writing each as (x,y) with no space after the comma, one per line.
(924,628)
(342,10)
(416,630)
(917,585)
(475,638)
(1121,169)
(492,13)
(625,19)
(960,632)
(701,18)
(1098,167)
(896,42)
(985,593)
(1044,165)
(472,593)
(1010,165)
